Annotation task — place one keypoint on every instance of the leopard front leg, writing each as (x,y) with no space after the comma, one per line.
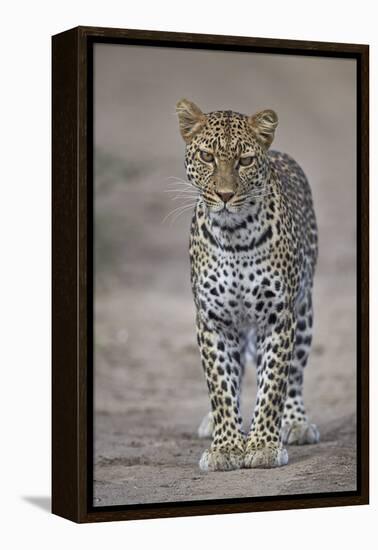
(264,447)
(221,362)
(248,352)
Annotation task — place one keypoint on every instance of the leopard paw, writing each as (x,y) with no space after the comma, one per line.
(205,429)
(265,457)
(300,433)
(221,459)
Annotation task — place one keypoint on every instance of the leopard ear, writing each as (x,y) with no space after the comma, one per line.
(264,125)
(191,118)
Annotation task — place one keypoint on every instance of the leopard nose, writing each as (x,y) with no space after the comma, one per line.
(225,196)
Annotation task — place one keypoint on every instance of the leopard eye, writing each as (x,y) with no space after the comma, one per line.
(206,156)
(246,161)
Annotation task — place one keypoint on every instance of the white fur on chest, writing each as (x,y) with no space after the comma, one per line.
(234,290)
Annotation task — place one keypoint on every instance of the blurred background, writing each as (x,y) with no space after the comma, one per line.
(150,394)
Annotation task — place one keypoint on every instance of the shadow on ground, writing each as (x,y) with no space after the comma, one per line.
(43,503)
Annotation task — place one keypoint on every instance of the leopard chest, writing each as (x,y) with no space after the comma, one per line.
(232,290)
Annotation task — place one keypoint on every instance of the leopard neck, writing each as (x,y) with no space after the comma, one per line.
(241,231)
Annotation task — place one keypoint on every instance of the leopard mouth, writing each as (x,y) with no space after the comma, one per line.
(232,206)
(238,205)
(224,208)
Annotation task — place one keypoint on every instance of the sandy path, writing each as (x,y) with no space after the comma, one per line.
(147,413)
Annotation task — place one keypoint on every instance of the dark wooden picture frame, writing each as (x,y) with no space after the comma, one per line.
(72,295)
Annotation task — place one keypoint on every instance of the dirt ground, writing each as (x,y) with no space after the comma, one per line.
(150,394)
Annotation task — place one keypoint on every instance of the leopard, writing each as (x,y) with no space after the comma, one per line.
(253,252)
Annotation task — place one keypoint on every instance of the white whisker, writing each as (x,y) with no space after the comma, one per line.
(261,196)
(181,197)
(182,193)
(179,180)
(176,212)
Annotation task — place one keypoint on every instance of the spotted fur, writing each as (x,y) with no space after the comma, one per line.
(253,250)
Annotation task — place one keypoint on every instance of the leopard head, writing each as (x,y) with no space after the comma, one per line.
(226,156)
